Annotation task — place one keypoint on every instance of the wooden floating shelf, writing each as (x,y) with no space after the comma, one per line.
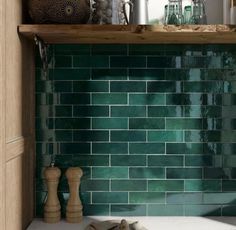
(132,34)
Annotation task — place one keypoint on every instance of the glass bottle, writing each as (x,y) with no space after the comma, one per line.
(174,12)
(187,14)
(199,12)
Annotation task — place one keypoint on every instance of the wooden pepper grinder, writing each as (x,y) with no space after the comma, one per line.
(74,207)
(52,208)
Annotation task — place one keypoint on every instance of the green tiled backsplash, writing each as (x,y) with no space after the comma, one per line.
(152,126)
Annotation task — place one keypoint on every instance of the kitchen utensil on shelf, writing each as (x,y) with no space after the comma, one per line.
(108,12)
(199,12)
(174,12)
(138,12)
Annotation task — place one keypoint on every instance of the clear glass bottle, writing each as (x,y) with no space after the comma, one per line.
(174,12)
(187,14)
(199,12)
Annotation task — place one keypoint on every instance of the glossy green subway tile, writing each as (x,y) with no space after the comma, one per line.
(194,62)
(72,49)
(147,197)
(45,148)
(50,135)
(165,161)
(75,98)
(128,111)
(147,99)
(162,87)
(127,86)
(148,173)
(164,62)
(165,136)
(203,185)
(75,148)
(165,210)
(184,148)
(111,148)
(63,61)
(72,123)
(109,49)
(205,136)
(215,173)
(70,74)
(146,123)
(203,161)
(202,210)
(229,185)
(228,136)
(147,148)
(128,160)
(183,123)
(129,185)
(165,185)
(94,185)
(63,161)
(229,161)
(91,61)
(128,210)
(165,111)
(229,210)
(110,172)
(110,123)
(214,123)
(109,74)
(130,136)
(90,111)
(62,86)
(45,87)
(147,74)
(90,86)
(149,49)
(109,99)
(127,61)
(219,198)
(91,160)
(204,86)
(110,197)
(47,99)
(96,210)
(184,198)
(177,74)
(86,135)
(184,173)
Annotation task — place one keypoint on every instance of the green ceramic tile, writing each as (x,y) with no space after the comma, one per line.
(128,210)
(202,185)
(74,99)
(214,124)
(72,123)
(207,87)
(91,160)
(206,136)
(71,74)
(201,161)
(50,135)
(47,99)
(72,49)
(165,136)
(46,87)
(128,111)
(107,99)
(147,148)
(127,61)
(75,148)
(165,185)
(229,210)
(110,123)
(96,210)
(229,161)
(90,86)
(85,135)
(127,86)
(185,99)
(91,61)
(184,198)
(184,148)
(163,62)
(229,185)
(130,136)
(110,197)
(162,87)
(165,161)
(129,185)
(177,74)
(146,123)
(147,49)
(165,111)
(202,210)
(165,210)
(214,173)
(90,111)
(219,198)
(63,61)
(94,185)
(62,86)
(148,173)
(108,49)
(128,160)
(194,62)
(110,172)
(184,173)
(147,74)
(183,123)
(147,197)
(111,148)
(146,99)
(109,74)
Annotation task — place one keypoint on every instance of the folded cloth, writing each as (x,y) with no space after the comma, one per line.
(115,225)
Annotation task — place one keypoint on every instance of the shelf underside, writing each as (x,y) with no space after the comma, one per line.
(132,34)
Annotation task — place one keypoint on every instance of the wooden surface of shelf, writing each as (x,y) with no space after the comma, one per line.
(133,34)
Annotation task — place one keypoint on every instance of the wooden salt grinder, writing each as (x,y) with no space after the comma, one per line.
(52,208)
(74,207)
